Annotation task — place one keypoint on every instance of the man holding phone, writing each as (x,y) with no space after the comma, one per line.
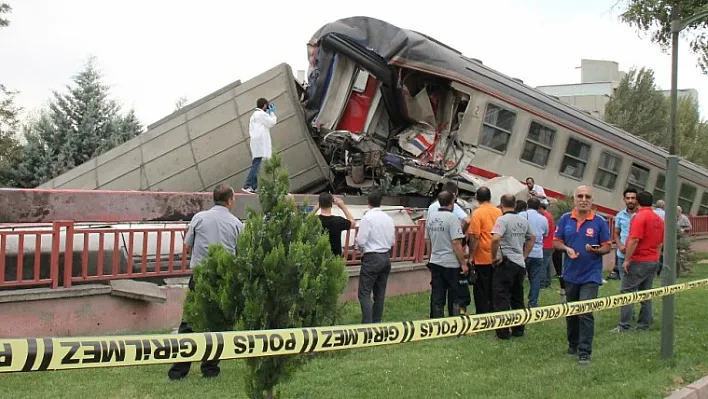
(262,120)
(585,238)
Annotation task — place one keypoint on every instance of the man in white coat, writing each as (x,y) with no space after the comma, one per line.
(259,129)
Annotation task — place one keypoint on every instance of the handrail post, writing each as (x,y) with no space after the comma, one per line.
(420,241)
(68,253)
(54,256)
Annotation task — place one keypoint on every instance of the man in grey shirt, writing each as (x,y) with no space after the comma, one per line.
(447,258)
(214,226)
(512,241)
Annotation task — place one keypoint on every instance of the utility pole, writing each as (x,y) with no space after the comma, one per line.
(672,188)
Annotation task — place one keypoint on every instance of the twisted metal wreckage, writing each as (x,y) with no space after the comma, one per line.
(383,106)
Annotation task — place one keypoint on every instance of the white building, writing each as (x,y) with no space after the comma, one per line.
(598,81)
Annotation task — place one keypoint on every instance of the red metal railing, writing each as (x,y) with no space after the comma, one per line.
(122,245)
(65,253)
(405,249)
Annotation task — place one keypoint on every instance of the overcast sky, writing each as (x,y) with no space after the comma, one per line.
(154,51)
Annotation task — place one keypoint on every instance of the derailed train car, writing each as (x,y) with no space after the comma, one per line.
(391,108)
(377,113)
(385,102)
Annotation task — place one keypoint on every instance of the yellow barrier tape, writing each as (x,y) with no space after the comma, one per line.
(42,354)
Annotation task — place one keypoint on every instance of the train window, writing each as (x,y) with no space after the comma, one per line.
(607,171)
(497,127)
(659,187)
(703,209)
(638,177)
(687,194)
(575,159)
(539,142)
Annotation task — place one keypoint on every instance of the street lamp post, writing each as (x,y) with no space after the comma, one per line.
(672,187)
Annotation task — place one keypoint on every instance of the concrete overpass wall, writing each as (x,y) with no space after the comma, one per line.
(207,143)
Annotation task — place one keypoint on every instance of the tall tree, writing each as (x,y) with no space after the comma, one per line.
(4,9)
(9,112)
(639,107)
(77,126)
(689,123)
(653,17)
(9,145)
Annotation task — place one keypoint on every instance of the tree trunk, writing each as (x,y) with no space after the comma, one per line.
(270,394)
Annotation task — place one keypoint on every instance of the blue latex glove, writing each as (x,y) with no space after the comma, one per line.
(271,107)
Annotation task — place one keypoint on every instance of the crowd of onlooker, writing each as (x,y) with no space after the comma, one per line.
(519,239)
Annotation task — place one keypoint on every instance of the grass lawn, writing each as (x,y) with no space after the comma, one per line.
(624,365)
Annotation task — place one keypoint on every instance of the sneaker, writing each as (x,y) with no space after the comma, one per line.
(248,190)
(619,329)
(584,359)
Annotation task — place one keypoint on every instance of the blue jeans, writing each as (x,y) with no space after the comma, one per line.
(534,268)
(252,179)
(546,270)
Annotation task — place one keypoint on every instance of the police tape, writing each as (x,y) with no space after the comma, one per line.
(42,354)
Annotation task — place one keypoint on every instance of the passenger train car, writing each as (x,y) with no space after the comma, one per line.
(381,100)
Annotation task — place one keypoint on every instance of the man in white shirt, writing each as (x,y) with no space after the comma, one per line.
(536,191)
(375,240)
(457,210)
(259,129)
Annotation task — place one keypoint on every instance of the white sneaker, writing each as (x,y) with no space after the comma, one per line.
(248,190)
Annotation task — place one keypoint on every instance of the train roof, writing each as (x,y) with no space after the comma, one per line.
(414,50)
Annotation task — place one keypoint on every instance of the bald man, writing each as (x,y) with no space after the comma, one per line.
(585,238)
(659,209)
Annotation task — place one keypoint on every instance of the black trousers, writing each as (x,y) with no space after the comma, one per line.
(581,328)
(508,283)
(210,368)
(483,289)
(558,266)
(446,285)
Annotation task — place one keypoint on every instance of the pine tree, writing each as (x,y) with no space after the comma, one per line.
(9,145)
(77,126)
(284,275)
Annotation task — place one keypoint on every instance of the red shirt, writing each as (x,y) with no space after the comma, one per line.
(648,227)
(548,241)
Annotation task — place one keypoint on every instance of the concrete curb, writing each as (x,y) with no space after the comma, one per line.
(696,390)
